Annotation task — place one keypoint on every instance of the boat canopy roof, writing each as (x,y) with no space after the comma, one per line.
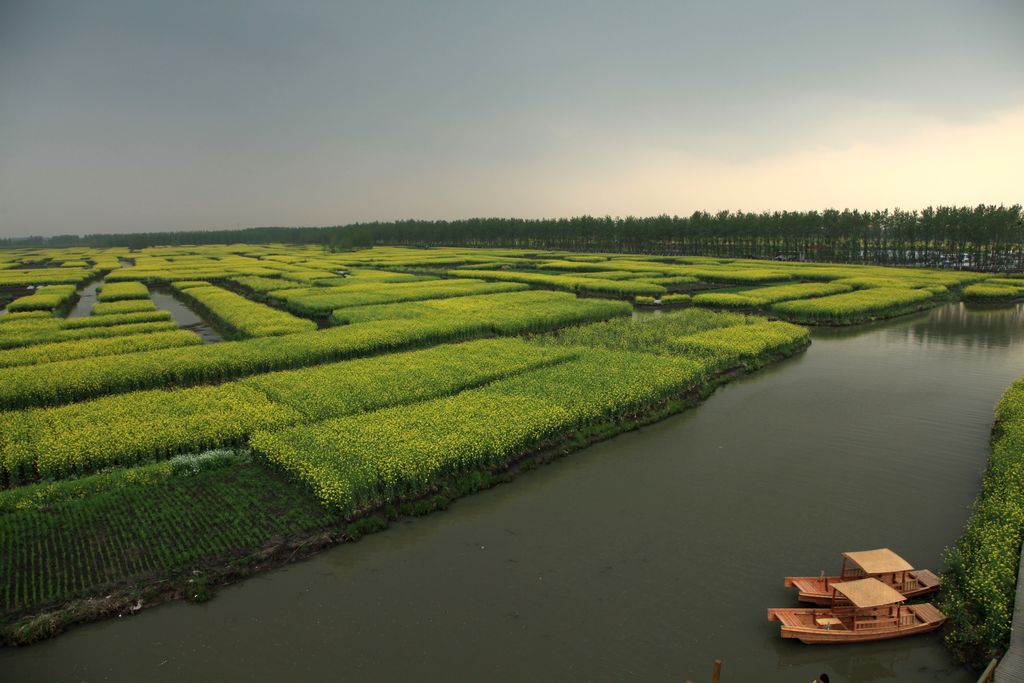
(881,561)
(868,592)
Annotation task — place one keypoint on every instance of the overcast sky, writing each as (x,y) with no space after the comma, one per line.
(130,115)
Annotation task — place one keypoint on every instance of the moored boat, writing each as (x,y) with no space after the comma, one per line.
(862,610)
(882,564)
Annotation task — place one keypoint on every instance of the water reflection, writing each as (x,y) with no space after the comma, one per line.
(859,663)
(960,323)
(86,298)
(186,318)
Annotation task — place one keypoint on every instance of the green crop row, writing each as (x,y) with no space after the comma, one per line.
(981,569)
(665,299)
(511,313)
(603,384)
(135,427)
(184,272)
(747,345)
(868,282)
(671,281)
(69,381)
(777,293)
(569,283)
(54,443)
(993,293)
(739,275)
(360,276)
(263,286)
(308,276)
(854,307)
(121,307)
(49,298)
(118,291)
(102,346)
(21,317)
(638,267)
(733,300)
(356,462)
(32,328)
(18,338)
(761,297)
(321,301)
(111,319)
(69,539)
(365,384)
(608,275)
(44,276)
(648,334)
(241,317)
(259,285)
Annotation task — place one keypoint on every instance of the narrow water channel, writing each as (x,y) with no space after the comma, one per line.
(645,557)
(9,294)
(186,318)
(86,298)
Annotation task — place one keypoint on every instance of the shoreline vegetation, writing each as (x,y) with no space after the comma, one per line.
(138,466)
(980,579)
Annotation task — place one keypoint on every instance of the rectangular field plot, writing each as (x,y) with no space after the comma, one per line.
(856,306)
(46,329)
(79,538)
(49,298)
(320,301)
(359,461)
(570,283)
(98,346)
(239,316)
(119,291)
(366,384)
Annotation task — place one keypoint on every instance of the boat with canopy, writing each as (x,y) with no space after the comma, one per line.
(882,564)
(862,610)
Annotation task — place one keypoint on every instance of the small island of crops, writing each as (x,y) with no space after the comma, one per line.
(138,463)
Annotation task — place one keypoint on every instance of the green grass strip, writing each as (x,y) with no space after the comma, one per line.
(980,580)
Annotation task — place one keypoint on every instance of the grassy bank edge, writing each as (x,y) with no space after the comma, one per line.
(767,312)
(980,577)
(197,584)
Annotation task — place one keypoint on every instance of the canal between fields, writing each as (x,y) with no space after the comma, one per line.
(642,558)
(186,318)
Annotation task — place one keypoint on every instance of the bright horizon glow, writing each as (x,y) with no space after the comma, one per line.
(133,117)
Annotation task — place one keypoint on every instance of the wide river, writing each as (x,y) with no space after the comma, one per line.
(644,557)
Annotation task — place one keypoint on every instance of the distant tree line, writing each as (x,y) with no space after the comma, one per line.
(981,237)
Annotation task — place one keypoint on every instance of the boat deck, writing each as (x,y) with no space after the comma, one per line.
(817,589)
(812,625)
(926,578)
(927,612)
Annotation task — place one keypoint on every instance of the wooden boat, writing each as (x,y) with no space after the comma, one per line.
(882,564)
(862,610)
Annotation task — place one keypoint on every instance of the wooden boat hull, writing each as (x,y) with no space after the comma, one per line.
(800,623)
(815,589)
